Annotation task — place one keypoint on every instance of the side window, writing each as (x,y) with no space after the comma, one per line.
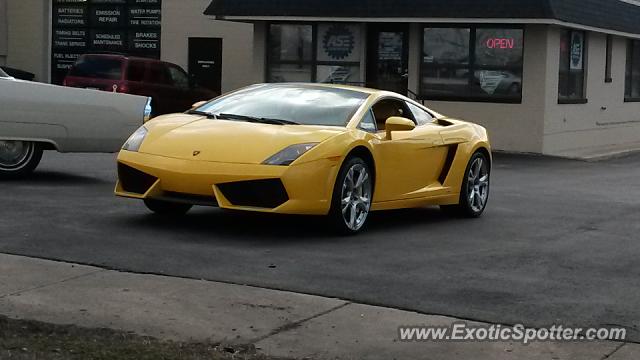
(156,74)
(368,122)
(387,108)
(135,71)
(422,117)
(178,77)
(573,61)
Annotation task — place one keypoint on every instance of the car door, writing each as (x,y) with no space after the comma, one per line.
(409,164)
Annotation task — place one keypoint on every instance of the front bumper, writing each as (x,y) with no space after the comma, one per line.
(304,188)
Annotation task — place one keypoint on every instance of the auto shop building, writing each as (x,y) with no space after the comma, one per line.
(556,77)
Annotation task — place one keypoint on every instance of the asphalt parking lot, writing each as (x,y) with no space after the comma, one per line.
(559,243)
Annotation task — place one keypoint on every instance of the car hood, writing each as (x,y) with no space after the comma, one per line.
(201,139)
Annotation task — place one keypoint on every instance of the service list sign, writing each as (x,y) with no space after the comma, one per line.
(114,26)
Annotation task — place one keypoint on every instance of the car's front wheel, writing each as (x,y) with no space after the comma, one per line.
(474,193)
(18,158)
(166,208)
(352,196)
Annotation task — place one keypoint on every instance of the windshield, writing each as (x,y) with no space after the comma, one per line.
(3,74)
(300,104)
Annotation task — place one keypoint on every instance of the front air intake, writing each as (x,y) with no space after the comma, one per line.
(268,193)
(133,180)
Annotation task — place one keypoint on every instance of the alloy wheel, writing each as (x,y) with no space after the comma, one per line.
(478,184)
(356,197)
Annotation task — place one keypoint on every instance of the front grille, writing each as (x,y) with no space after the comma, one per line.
(269,193)
(133,180)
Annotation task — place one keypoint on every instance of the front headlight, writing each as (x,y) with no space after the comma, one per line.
(289,155)
(135,140)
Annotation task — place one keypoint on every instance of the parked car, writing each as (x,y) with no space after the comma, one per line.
(308,149)
(498,82)
(18,74)
(168,85)
(37,117)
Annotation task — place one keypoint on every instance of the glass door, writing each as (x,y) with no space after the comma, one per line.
(387,57)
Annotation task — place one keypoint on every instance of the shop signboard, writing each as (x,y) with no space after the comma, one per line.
(144,17)
(70,39)
(339,42)
(115,26)
(109,40)
(110,16)
(144,40)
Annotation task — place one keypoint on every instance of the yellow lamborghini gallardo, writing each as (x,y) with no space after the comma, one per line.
(308,149)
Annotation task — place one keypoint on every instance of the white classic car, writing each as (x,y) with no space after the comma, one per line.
(36,117)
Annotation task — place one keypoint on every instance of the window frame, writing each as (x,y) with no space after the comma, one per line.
(585,65)
(471,66)
(375,124)
(404,104)
(314,62)
(415,118)
(629,68)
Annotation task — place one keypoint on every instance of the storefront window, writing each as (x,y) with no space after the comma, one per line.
(445,62)
(337,74)
(467,64)
(290,52)
(632,76)
(572,65)
(336,58)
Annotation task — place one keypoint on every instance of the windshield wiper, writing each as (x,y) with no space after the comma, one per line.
(256,119)
(202,113)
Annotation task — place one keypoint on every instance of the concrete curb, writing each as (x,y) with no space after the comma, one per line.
(278,323)
(591,156)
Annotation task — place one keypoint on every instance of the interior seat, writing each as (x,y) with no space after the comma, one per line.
(386,109)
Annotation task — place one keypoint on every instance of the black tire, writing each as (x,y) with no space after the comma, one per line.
(360,208)
(166,208)
(24,160)
(466,206)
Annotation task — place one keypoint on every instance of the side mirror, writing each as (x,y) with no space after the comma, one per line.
(397,123)
(198,104)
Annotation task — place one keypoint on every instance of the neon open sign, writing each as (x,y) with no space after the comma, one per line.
(500,43)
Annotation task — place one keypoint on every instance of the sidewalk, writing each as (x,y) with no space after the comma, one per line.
(278,323)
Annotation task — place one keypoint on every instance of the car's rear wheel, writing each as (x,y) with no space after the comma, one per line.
(167,208)
(18,158)
(474,193)
(352,196)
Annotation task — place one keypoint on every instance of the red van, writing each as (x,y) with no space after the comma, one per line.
(169,87)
